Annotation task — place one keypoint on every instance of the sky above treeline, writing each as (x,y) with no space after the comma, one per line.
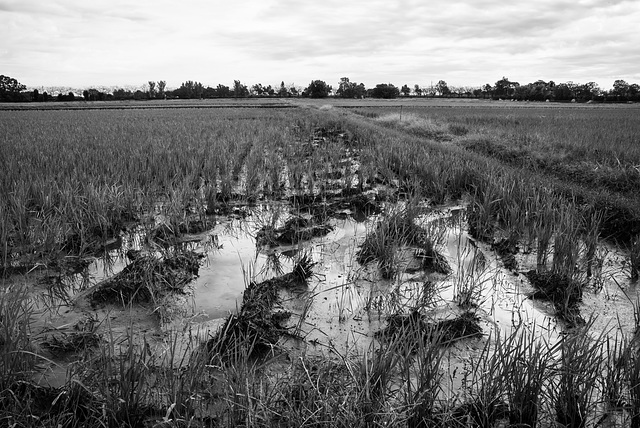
(84,43)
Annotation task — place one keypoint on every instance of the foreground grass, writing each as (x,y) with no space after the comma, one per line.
(403,380)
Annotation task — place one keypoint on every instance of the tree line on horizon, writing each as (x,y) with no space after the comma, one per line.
(13,91)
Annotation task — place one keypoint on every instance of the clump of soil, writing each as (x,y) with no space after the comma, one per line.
(333,204)
(295,230)
(196,225)
(364,204)
(432,260)
(446,331)
(83,336)
(564,292)
(507,250)
(256,329)
(166,235)
(64,344)
(148,278)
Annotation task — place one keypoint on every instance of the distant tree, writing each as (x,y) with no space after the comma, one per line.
(406,91)
(240,90)
(223,91)
(70,96)
(294,91)
(317,89)
(36,95)
(189,89)
(487,90)
(443,89)
(562,92)
(345,88)
(417,90)
(634,92)
(587,91)
(384,90)
(10,89)
(283,91)
(122,94)
(505,88)
(93,94)
(620,89)
(269,91)
(139,95)
(257,89)
(348,89)
(458,91)
(152,89)
(469,91)
(536,91)
(45,96)
(161,88)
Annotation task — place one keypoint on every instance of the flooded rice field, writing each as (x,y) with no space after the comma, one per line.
(340,310)
(321,266)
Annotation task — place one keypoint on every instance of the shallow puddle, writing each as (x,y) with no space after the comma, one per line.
(346,303)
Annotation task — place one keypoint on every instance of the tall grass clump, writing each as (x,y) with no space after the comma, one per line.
(17,353)
(374,375)
(396,229)
(481,216)
(526,361)
(574,387)
(422,375)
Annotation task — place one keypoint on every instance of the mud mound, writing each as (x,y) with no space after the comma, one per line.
(418,326)
(166,235)
(64,344)
(333,205)
(432,260)
(83,336)
(296,229)
(147,278)
(257,328)
(564,292)
(507,251)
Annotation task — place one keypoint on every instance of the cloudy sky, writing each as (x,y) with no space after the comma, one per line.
(80,43)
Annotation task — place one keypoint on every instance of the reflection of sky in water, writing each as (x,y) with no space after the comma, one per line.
(343,290)
(222,280)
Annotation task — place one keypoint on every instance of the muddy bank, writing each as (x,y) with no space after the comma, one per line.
(149,279)
(258,326)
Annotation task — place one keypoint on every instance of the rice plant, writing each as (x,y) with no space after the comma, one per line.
(18,356)
(574,389)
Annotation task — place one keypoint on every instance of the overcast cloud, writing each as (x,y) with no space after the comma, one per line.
(81,43)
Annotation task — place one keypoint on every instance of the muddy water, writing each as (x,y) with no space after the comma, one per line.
(346,303)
